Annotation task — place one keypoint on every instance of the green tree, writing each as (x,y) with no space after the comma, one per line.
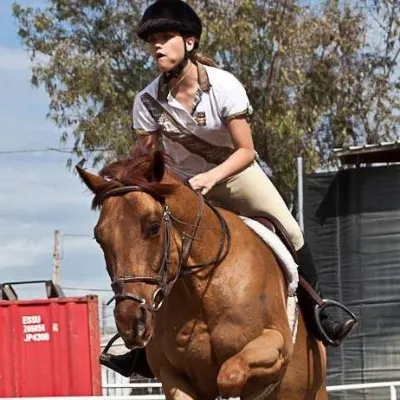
(91,63)
(312,75)
(318,77)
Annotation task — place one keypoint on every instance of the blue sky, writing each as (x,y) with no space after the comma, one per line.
(37,192)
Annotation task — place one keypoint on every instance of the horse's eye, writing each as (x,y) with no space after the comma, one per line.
(154,229)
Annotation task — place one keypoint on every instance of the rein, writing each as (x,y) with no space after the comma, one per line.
(170,222)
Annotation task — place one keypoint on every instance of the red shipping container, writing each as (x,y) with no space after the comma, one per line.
(50,347)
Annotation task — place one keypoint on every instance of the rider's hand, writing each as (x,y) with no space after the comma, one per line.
(203,182)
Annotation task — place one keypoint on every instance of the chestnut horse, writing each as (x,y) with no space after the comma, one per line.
(199,289)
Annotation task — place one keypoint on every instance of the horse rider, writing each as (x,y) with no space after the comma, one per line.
(208,138)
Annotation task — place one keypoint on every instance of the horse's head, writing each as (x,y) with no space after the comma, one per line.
(134,232)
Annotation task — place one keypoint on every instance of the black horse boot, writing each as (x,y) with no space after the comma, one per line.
(133,362)
(335,331)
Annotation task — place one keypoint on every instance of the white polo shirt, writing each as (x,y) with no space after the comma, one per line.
(220,98)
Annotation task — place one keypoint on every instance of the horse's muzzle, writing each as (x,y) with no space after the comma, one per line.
(135,323)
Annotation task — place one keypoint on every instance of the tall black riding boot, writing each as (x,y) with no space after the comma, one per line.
(336,330)
(133,362)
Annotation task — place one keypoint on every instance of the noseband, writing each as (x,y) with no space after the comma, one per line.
(169,222)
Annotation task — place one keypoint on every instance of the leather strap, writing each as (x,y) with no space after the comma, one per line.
(178,133)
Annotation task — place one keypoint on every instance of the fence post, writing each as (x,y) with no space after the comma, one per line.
(393,393)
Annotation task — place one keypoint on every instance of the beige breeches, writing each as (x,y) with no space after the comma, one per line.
(251,193)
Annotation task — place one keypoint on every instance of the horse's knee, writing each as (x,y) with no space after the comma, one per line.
(262,360)
(232,377)
(235,374)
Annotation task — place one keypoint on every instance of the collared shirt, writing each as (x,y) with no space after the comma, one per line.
(220,97)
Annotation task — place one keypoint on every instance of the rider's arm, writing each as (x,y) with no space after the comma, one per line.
(235,110)
(243,156)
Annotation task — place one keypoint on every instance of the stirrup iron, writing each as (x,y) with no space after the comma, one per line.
(318,310)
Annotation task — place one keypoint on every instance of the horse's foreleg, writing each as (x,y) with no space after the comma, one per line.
(262,360)
(175,387)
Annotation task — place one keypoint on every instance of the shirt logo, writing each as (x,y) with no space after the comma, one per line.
(200,118)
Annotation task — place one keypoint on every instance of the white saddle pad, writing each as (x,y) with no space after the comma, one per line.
(289,266)
(280,250)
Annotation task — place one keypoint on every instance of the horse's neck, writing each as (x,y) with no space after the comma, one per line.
(185,206)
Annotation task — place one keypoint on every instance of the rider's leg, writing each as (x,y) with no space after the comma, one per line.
(251,193)
(133,362)
(336,330)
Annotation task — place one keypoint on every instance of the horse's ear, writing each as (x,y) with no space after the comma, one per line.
(157,166)
(94,182)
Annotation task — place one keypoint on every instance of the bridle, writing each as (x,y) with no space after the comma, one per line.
(170,222)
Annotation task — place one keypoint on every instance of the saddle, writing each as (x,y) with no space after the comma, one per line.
(311,303)
(276,227)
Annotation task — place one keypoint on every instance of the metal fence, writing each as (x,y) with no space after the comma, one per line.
(391,386)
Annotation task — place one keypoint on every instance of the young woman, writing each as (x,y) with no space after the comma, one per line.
(199,114)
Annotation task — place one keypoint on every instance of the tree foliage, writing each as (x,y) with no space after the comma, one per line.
(319,76)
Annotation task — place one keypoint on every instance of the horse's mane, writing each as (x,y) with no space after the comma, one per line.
(136,169)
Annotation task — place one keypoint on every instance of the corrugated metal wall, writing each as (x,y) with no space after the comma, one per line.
(49,347)
(352,222)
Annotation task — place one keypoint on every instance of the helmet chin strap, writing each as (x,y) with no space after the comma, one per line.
(177,70)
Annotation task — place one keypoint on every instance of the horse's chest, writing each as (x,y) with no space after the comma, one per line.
(185,346)
(192,342)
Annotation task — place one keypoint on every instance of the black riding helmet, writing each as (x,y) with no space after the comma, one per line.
(171,15)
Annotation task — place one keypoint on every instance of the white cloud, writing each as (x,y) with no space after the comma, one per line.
(37,193)
(25,252)
(36,199)
(12,59)
(82,244)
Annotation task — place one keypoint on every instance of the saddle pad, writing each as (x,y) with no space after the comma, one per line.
(288,265)
(282,253)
